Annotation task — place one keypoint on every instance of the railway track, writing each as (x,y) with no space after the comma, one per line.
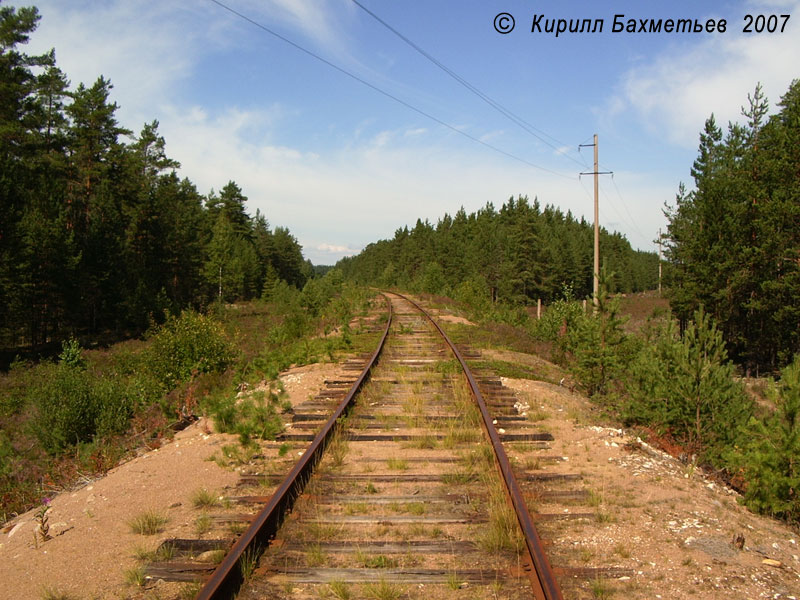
(405,488)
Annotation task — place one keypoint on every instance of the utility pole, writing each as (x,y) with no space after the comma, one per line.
(596,173)
(659,262)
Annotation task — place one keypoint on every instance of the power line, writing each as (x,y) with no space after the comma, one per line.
(383,92)
(487,99)
(625,206)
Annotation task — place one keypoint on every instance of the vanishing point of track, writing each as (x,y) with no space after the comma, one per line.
(405,483)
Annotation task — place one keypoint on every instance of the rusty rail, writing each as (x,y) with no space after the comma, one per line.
(227,578)
(543,581)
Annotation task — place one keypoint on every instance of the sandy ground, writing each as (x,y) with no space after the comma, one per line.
(663,520)
(92,544)
(654,516)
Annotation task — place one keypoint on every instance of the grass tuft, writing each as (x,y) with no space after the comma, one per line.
(202,524)
(203,498)
(339,590)
(52,594)
(383,590)
(134,576)
(149,522)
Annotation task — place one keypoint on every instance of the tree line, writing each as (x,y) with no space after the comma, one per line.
(734,241)
(98,233)
(514,255)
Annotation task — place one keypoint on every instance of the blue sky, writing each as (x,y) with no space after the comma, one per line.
(342,165)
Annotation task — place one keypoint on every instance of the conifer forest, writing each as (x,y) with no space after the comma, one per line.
(98,234)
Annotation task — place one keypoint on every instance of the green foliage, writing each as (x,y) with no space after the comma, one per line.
(684,386)
(115,403)
(72,354)
(185,345)
(252,416)
(494,258)
(65,410)
(600,347)
(474,292)
(98,232)
(73,406)
(769,452)
(6,452)
(732,242)
(559,318)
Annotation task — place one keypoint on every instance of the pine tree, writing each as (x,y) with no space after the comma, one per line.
(770,453)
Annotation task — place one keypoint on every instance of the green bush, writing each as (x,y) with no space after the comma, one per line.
(600,347)
(72,354)
(66,412)
(253,416)
(114,404)
(474,292)
(6,455)
(187,344)
(685,387)
(769,454)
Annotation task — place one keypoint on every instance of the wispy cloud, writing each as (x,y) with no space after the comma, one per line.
(146,49)
(319,22)
(677,91)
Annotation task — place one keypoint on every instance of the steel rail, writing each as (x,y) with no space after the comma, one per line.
(545,586)
(227,578)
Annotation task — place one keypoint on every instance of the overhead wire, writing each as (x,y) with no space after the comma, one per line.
(625,206)
(522,123)
(534,131)
(384,92)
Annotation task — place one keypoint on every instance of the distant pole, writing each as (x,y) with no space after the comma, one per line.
(659,263)
(538,309)
(596,286)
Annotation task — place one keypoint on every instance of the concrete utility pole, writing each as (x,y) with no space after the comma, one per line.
(596,286)
(659,262)
(596,173)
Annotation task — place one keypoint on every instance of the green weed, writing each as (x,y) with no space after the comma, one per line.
(383,590)
(203,498)
(134,576)
(339,590)
(148,523)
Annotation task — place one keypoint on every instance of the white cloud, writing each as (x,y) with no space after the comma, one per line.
(416,132)
(674,94)
(319,21)
(333,249)
(144,48)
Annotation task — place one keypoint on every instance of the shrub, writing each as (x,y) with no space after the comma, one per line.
(114,405)
(254,416)
(186,344)
(768,458)
(601,348)
(474,292)
(684,386)
(65,409)
(72,354)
